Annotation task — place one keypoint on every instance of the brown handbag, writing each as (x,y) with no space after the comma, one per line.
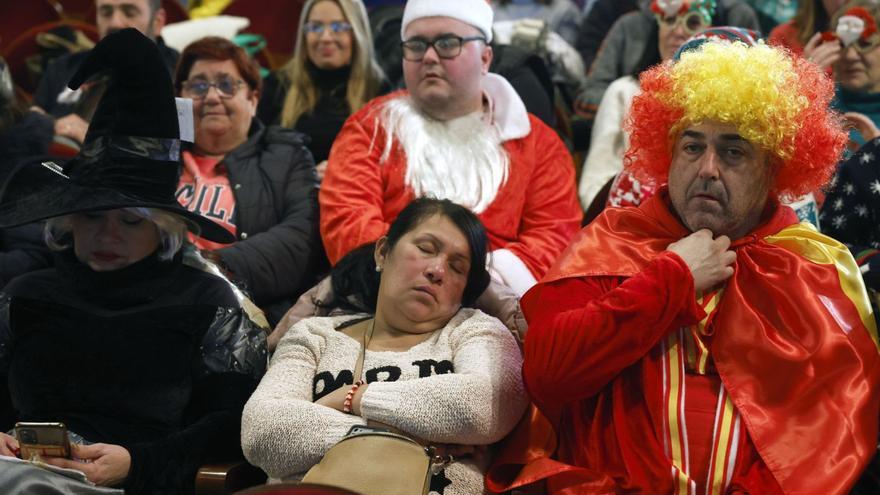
(375,461)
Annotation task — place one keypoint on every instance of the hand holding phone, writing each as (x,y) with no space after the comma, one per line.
(8,445)
(103,464)
(37,440)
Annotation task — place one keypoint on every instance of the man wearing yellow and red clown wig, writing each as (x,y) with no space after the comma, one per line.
(460,133)
(707,342)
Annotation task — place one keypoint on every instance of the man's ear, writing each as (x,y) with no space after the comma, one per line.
(159,19)
(380,254)
(486,58)
(773,165)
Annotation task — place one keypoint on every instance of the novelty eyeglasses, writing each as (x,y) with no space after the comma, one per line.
(691,22)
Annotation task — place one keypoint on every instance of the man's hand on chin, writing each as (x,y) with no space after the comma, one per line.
(709,259)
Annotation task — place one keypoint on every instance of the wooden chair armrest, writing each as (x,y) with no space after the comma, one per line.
(227,477)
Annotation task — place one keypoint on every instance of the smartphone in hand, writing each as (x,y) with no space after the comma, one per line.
(42,439)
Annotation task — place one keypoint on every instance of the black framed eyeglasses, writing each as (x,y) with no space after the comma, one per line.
(226,87)
(318,28)
(446,47)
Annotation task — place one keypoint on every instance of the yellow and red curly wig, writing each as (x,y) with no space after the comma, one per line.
(777,102)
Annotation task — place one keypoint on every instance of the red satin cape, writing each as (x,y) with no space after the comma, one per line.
(795,346)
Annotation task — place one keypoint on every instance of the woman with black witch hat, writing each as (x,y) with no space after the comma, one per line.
(146,359)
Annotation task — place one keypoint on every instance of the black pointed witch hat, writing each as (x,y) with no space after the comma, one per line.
(131,153)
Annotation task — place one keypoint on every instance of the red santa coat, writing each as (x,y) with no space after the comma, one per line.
(792,339)
(534,215)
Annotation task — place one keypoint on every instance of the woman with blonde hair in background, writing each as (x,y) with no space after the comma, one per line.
(332,74)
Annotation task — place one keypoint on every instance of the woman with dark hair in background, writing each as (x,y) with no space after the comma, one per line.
(23,135)
(332,74)
(803,33)
(258,182)
(435,369)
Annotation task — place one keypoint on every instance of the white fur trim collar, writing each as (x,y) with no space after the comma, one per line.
(511,271)
(506,108)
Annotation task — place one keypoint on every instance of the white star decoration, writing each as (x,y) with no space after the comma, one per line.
(849,189)
(875,186)
(866,157)
(839,221)
(862,211)
(834,181)
(838,204)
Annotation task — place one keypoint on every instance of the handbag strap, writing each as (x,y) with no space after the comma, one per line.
(438,463)
(368,335)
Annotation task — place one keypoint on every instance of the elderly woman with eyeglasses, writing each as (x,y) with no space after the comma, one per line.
(857,68)
(258,182)
(332,74)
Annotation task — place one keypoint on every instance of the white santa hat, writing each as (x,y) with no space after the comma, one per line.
(477,13)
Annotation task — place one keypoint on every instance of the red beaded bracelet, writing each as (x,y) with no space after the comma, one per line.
(346,404)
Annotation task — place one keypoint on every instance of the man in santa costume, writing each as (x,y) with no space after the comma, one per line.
(460,133)
(707,342)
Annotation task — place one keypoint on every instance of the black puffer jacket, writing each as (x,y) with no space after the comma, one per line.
(275,186)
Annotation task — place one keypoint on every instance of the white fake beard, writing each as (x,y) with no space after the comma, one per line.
(461,160)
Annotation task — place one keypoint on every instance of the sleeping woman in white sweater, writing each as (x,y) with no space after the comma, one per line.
(434,370)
